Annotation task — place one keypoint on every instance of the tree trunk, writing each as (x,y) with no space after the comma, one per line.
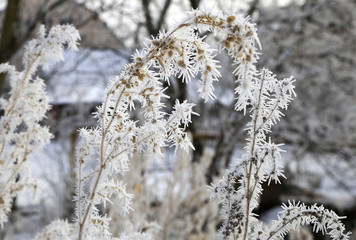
(9,41)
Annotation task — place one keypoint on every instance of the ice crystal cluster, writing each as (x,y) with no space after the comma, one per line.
(20,130)
(240,189)
(106,151)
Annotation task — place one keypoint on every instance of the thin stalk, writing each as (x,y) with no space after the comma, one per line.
(79,191)
(249,173)
(302,214)
(85,217)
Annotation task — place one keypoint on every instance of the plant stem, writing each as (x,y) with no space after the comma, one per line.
(249,191)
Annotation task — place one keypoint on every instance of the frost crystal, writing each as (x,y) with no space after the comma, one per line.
(20,130)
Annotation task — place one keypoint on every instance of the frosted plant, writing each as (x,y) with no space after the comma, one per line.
(58,230)
(239,190)
(106,151)
(20,130)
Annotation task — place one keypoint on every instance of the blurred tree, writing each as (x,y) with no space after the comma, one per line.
(21,19)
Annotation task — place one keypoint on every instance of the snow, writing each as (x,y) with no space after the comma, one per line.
(84,75)
(322,180)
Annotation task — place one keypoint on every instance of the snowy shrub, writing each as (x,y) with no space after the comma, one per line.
(20,130)
(106,150)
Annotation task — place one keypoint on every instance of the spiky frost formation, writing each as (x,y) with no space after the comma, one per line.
(179,52)
(295,215)
(240,189)
(20,130)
